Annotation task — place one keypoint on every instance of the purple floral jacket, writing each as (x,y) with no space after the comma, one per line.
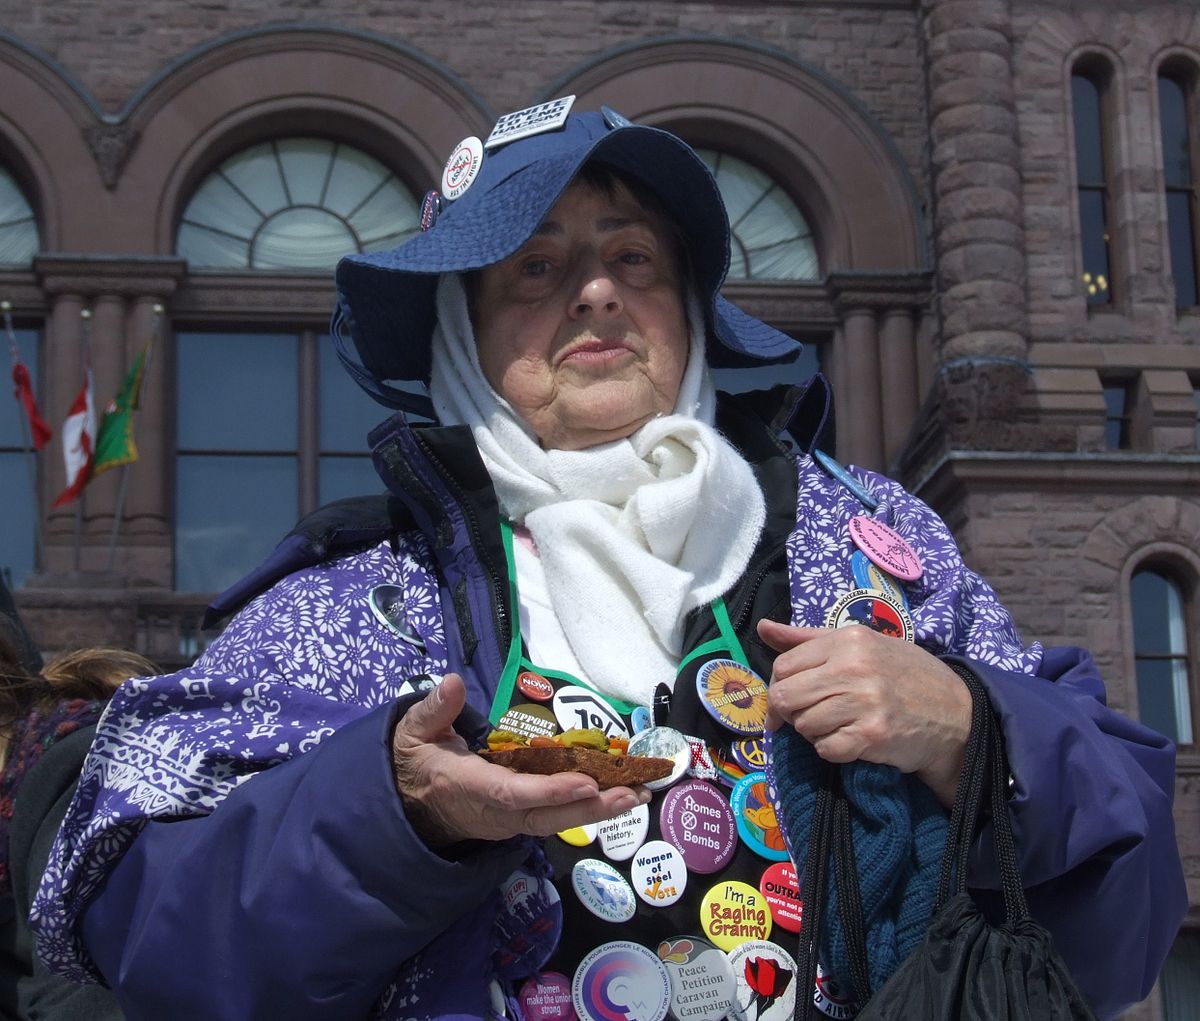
(236,847)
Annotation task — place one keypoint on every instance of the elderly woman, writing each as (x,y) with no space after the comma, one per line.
(299,825)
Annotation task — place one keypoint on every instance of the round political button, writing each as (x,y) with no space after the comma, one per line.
(623,834)
(749,753)
(579,708)
(603,890)
(734,695)
(755,815)
(734,912)
(547,997)
(528,925)
(621,981)
(885,547)
(658,873)
(697,820)
(766,981)
(702,982)
(873,609)
(782,890)
(534,686)
(664,743)
(830,999)
(579,836)
(462,167)
(528,720)
(641,719)
(387,606)
(871,575)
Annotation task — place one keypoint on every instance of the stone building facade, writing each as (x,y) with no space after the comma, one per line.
(933,147)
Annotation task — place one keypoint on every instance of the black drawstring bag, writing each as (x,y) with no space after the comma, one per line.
(967,968)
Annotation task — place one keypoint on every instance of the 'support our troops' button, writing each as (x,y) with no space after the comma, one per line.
(696,818)
(621,981)
(528,720)
(734,912)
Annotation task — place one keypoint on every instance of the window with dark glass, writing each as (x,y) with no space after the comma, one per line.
(1092,185)
(1181,978)
(18,472)
(1180,185)
(1116,415)
(1161,655)
(269,427)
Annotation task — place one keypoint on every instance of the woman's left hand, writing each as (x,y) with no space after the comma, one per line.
(856,694)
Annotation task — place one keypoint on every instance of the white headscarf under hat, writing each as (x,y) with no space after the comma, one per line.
(632,534)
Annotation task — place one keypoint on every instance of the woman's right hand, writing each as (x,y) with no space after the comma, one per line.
(451,794)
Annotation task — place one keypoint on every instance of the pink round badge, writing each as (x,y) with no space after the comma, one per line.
(547,998)
(884,547)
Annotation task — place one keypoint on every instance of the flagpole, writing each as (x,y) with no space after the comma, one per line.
(26,439)
(86,315)
(124,485)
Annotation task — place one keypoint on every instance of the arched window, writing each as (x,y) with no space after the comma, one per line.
(247,464)
(1161,654)
(1174,106)
(18,226)
(771,238)
(1093,177)
(295,203)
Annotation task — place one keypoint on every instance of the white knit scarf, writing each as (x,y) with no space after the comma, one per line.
(633,533)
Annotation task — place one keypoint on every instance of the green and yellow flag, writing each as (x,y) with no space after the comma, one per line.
(114,438)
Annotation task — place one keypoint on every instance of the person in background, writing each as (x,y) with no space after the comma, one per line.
(47,718)
(297,826)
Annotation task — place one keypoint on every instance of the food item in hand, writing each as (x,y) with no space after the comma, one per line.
(575,751)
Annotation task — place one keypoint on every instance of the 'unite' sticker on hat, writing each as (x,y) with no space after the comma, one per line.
(533,120)
(462,167)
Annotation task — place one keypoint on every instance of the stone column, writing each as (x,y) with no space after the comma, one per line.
(874,365)
(861,421)
(978,234)
(898,373)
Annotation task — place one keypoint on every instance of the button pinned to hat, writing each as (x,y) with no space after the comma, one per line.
(462,167)
(613,119)
(431,209)
(533,120)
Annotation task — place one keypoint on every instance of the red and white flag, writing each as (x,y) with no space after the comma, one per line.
(78,439)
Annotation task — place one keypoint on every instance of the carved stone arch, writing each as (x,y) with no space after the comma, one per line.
(389,100)
(43,121)
(796,123)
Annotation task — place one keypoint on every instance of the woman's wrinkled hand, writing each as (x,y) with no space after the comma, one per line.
(856,694)
(451,794)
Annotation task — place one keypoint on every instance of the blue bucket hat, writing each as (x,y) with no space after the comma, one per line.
(386,300)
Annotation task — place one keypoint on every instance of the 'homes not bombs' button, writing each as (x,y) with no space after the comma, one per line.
(696,818)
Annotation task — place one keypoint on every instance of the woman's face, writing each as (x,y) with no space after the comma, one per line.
(583,330)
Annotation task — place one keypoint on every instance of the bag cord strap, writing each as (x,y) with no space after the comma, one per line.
(982,790)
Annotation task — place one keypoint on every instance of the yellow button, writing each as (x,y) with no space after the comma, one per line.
(733,913)
(579,836)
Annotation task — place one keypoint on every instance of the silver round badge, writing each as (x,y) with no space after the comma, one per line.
(387,605)
(663,743)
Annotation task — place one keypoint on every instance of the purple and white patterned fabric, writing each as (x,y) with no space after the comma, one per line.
(307,657)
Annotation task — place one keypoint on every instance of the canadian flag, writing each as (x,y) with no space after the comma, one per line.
(78,439)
